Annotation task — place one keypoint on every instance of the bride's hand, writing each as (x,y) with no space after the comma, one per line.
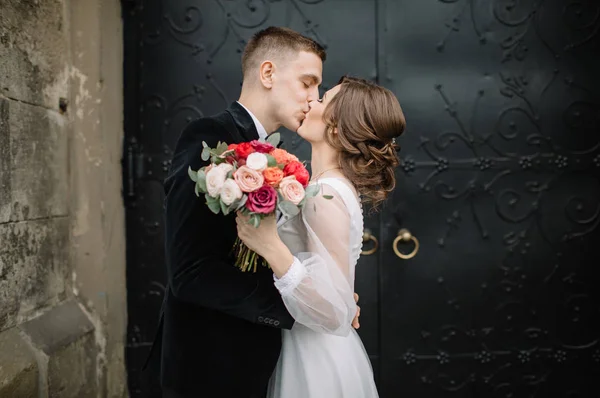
(355,322)
(260,239)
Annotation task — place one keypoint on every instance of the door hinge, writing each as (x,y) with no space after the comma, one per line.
(134,167)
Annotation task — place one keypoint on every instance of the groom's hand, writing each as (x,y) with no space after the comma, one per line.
(355,323)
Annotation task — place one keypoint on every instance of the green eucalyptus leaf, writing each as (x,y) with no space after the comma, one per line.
(205,153)
(328,197)
(224,208)
(217,160)
(193,175)
(213,204)
(201,180)
(312,190)
(274,139)
(271,162)
(255,220)
(196,190)
(288,208)
(242,202)
(221,147)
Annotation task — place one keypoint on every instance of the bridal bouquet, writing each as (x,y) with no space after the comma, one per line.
(255,177)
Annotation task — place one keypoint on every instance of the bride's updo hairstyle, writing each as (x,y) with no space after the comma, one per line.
(368,118)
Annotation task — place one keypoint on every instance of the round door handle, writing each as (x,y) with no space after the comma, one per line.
(368,237)
(404,235)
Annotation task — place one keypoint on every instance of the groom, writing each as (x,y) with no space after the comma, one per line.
(220,334)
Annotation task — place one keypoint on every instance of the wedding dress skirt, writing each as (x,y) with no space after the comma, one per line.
(317,365)
(322,356)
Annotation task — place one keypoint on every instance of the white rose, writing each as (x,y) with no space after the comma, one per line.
(230,192)
(215,178)
(257,161)
(226,167)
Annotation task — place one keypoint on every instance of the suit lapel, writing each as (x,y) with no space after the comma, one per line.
(243,122)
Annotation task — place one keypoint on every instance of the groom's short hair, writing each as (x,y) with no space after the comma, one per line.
(277,42)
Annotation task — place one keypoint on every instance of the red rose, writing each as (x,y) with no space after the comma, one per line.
(297,170)
(243,150)
(231,146)
(262,147)
(263,200)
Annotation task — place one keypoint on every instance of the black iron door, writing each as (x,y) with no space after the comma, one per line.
(500,186)
(499,181)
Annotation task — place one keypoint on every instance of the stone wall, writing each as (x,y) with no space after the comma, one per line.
(62,261)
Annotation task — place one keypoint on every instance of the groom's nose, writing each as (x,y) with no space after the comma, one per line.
(313,95)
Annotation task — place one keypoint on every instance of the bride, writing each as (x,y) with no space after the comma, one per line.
(351,131)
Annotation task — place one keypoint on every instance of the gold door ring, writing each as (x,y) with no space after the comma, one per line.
(367,236)
(404,235)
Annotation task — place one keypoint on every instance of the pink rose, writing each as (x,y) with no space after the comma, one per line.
(292,190)
(262,147)
(248,180)
(263,200)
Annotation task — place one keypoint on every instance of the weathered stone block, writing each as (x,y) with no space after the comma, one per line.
(33,51)
(33,150)
(72,370)
(5,174)
(66,336)
(18,367)
(33,266)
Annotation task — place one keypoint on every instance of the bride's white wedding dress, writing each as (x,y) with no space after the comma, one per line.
(322,356)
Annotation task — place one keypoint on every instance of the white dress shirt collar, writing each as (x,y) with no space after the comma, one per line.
(262,133)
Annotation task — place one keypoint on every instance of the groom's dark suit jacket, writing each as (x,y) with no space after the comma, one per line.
(220,331)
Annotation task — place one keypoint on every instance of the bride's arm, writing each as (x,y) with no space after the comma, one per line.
(317,285)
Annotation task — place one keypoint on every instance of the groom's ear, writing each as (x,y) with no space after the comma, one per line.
(267,68)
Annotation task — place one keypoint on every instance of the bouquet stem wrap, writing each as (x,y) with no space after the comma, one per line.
(246,259)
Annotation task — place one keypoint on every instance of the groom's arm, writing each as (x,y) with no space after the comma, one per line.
(198,244)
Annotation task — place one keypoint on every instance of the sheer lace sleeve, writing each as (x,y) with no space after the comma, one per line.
(318,288)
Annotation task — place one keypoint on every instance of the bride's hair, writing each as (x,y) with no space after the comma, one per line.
(368,118)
